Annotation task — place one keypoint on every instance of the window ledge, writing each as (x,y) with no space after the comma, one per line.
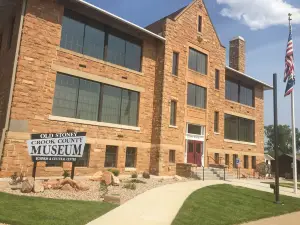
(197,108)
(174,76)
(175,127)
(194,71)
(98,60)
(240,142)
(130,169)
(240,104)
(216,133)
(172,164)
(94,123)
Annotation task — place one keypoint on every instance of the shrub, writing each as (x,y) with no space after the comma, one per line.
(146,175)
(14,178)
(66,174)
(131,186)
(115,172)
(263,169)
(134,175)
(137,181)
(103,188)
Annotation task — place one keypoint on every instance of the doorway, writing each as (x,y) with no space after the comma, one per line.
(194,153)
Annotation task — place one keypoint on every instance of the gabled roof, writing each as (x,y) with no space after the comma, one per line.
(268,157)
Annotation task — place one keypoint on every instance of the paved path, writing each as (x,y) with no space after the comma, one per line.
(290,219)
(159,206)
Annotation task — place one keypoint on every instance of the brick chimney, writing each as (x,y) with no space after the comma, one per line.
(237,54)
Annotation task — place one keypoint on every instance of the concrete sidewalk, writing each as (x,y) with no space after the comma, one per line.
(159,206)
(290,219)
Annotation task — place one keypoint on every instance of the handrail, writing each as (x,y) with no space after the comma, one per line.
(219,163)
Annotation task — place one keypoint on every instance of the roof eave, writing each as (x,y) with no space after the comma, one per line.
(266,86)
(122,20)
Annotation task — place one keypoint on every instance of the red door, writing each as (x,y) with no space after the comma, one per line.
(194,152)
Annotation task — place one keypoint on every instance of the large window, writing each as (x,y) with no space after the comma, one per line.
(83,99)
(130,157)
(84,160)
(246,162)
(91,38)
(173,113)
(175,63)
(216,122)
(197,61)
(253,162)
(239,93)
(196,96)
(111,156)
(239,129)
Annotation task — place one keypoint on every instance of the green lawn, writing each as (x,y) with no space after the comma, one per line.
(228,205)
(21,210)
(282,184)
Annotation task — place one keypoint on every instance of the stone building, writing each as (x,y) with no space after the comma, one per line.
(148,98)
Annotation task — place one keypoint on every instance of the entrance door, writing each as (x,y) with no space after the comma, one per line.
(194,152)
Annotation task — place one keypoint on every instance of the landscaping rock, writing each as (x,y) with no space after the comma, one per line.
(26,187)
(177,178)
(97,176)
(82,186)
(115,181)
(38,187)
(69,181)
(107,177)
(52,184)
(115,199)
(16,187)
(67,187)
(146,175)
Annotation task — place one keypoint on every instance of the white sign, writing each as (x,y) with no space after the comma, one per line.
(194,137)
(57,146)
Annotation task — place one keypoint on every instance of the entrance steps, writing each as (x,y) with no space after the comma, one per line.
(211,173)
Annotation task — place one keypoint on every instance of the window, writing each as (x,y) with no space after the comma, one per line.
(130,157)
(111,156)
(196,96)
(173,113)
(79,98)
(84,160)
(246,162)
(175,63)
(199,23)
(253,162)
(217,79)
(227,159)
(239,129)
(217,158)
(88,37)
(195,129)
(216,122)
(234,158)
(54,163)
(198,61)
(11,32)
(172,155)
(239,93)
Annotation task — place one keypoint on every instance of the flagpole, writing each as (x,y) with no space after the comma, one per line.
(294,143)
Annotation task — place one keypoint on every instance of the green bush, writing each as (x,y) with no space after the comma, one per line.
(134,175)
(131,186)
(66,174)
(115,172)
(137,181)
(146,175)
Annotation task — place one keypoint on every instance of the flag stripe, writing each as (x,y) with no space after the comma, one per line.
(289,73)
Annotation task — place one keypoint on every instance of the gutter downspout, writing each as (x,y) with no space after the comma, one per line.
(13,79)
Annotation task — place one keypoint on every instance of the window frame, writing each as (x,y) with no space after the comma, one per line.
(195,100)
(253,159)
(217,79)
(200,23)
(234,158)
(174,113)
(116,148)
(172,156)
(87,148)
(216,122)
(227,159)
(175,66)
(135,156)
(198,53)
(217,158)
(246,162)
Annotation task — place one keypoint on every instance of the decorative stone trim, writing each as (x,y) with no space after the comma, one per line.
(239,142)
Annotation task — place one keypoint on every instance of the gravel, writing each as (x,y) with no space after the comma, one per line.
(95,192)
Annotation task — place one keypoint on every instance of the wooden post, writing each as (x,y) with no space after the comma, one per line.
(34,169)
(73,170)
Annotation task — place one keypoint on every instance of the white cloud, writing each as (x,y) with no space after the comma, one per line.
(260,14)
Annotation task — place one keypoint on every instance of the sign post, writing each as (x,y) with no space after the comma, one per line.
(65,147)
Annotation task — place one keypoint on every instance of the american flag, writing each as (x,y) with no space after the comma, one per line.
(289,73)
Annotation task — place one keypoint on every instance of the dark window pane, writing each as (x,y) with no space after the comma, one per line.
(191,95)
(130,157)
(200,97)
(246,96)
(217,158)
(231,127)
(129,107)
(253,162)
(111,104)
(72,34)
(246,130)
(84,160)
(217,79)
(232,91)
(173,113)
(227,159)
(175,63)
(216,122)
(234,158)
(194,129)
(133,56)
(197,61)
(199,23)
(193,59)
(111,156)
(172,156)
(65,97)
(116,50)
(88,100)
(94,42)
(246,162)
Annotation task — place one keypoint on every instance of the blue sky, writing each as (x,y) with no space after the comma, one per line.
(261,22)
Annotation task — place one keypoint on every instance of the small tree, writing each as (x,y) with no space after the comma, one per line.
(263,169)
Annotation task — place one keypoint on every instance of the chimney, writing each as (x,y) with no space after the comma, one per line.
(237,54)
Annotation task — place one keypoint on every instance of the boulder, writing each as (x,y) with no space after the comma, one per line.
(38,187)
(115,199)
(97,176)
(26,187)
(69,181)
(107,177)
(177,178)
(81,186)
(16,187)
(52,184)
(115,181)
(67,187)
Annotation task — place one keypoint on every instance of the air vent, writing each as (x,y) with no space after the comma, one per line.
(82,65)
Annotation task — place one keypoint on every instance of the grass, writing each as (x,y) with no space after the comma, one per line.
(229,205)
(287,185)
(22,210)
